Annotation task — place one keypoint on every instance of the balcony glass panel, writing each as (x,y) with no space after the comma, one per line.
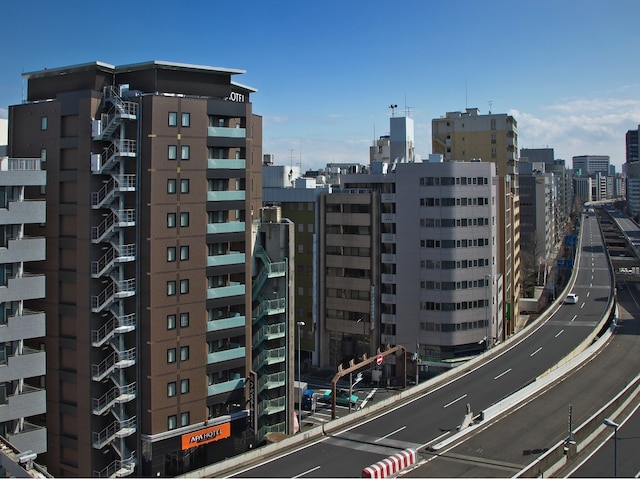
(227,227)
(225,323)
(227,132)
(228,259)
(223,292)
(228,195)
(224,355)
(235,164)
(225,387)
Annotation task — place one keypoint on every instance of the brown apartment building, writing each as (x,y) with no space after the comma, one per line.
(153,180)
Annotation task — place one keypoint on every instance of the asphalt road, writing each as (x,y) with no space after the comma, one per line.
(513,441)
(432,415)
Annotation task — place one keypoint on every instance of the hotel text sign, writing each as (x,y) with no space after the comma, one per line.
(206,435)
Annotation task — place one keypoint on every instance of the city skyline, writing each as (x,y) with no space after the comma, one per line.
(327,73)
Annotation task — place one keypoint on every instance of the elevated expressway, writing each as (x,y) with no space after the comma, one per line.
(429,414)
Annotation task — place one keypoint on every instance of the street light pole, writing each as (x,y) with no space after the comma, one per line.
(300,392)
(610,423)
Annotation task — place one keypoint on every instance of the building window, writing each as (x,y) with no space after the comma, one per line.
(184,354)
(184,386)
(171,355)
(184,219)
(171,389)
(184,252)
(184,152)
(186,119)
(172,422)
(184,419)
(44,123)
(171,322)
(173,119)
(184,286)
(184,319)
(172,152)
(171,288)
(171,254)
(171,185)
(184,185)
(171,220)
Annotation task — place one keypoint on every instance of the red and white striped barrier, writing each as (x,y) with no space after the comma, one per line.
(390,465)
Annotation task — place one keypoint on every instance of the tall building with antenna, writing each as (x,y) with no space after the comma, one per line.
(492,138)
(153,182)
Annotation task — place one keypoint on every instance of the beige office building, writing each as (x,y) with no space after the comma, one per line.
(493,138)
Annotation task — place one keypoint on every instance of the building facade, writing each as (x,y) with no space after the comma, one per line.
(490,138)
(153,179)
(22,324)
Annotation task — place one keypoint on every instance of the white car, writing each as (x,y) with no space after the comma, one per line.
(571,298)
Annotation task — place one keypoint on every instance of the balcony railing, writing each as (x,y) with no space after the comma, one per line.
(225,355)
(227,132)
(225,387)
(222,163)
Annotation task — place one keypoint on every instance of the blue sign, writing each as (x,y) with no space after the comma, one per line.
(571,240)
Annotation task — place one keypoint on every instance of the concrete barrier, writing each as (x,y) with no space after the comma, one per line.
(390,465)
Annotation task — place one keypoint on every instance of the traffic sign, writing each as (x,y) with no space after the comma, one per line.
(379,360)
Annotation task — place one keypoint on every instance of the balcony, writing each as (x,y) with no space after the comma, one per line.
(31,437)
(224,163)
(25,249)
(233,258)
(388,258)
(227,132)
(273,380)
(388,198)
(226,227)
(225,387)
(30,363)
(226,323)
(388,238)
(27,211)
(387,298)
(388,318)
(388,278)
(388,218)
(224,292)
(28,325)
(225,355)
(226,196)
(26,287)
(269,357)
(269,407)
(32,401)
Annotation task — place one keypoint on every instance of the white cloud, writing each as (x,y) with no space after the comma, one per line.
(580,127)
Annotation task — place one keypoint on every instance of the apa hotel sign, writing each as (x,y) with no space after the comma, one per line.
(206,435)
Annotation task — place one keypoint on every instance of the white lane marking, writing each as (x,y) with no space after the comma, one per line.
(535,352)
(582,306)
(574,317)
(392,433)
(456,400)
(308,471)
(369,397)
(559,333)
(588,293)
(503,373)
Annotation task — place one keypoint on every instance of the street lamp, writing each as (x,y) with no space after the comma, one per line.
(299,324)
(614,425)
(487,279)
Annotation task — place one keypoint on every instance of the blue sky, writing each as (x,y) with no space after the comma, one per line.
(326,71)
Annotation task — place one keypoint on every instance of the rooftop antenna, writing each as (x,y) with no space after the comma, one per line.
(490,105)
(393,109)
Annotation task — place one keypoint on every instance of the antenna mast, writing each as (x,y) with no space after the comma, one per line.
(393,109)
